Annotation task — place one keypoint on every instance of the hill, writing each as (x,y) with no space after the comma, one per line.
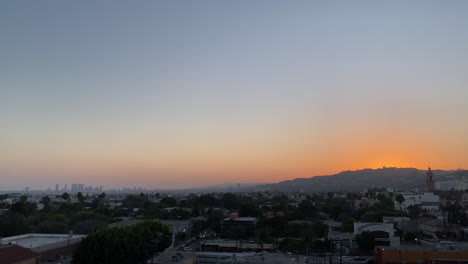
(360,179)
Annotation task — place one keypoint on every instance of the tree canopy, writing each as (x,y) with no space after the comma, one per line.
(366,240)
(130,244)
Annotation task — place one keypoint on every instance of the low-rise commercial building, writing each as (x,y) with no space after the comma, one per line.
(49,246)
(233,220)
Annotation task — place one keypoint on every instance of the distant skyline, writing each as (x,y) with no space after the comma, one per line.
(174,94)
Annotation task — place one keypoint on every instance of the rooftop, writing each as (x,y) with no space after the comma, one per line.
(36,240)
(241,219)
(13,254)
(427,245)
(125,223)
(174,256)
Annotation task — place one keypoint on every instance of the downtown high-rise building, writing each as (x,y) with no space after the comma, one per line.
(77,187)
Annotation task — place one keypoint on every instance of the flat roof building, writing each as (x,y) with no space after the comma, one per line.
(233,220)
(49,246)
(170,257)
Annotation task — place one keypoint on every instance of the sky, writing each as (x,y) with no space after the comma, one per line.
(175,94)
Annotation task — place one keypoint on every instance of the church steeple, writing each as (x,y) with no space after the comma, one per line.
(429,180)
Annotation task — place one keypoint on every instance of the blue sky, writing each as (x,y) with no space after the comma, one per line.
(258,85)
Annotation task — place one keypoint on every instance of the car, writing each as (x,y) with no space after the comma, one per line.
(188,249)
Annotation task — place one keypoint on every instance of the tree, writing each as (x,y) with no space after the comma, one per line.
(263,236)
(88,226)
(13,224)
(414,211)
(307,209)
(409,236)
(23,207)
(98,201)
(236,232)
(52,227)
(214,219)
(400,199)
(126,245)
(133,201)
(338,209)
(366,240)
(66,196)
(249,209)
(208,200)
(307,239)
(385,202)
(169,201)
(231,201)
(81,199)
(46,202)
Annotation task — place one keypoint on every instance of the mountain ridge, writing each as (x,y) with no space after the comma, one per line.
(358,180)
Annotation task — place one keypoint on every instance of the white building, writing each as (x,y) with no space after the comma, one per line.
(449,185)
(427,201)
(43,242)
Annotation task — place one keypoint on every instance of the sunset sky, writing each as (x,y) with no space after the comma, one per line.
(172,94)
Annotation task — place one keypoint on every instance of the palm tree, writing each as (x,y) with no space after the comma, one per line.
(81,199)
(263,235)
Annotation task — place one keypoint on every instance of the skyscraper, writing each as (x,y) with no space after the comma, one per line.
(56,187)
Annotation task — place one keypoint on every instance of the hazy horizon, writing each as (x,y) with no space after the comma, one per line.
(51,185)
(169,94)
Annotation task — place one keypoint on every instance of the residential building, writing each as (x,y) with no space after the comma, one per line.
(458,185)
